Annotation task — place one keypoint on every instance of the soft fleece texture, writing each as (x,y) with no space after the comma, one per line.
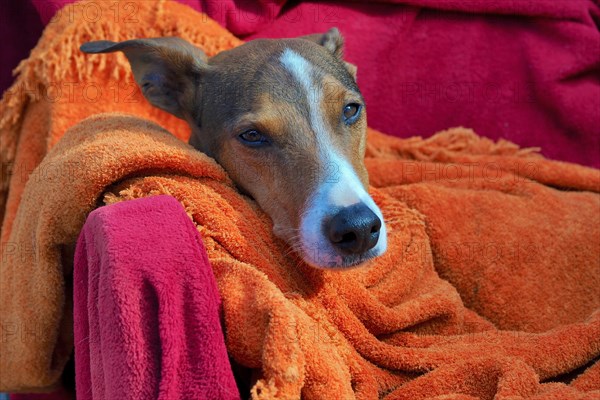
(525,70)
(146,307)
(392,328)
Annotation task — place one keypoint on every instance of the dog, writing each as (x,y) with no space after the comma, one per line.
(286,120)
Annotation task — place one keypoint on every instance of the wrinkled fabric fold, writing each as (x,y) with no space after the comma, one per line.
(391,328)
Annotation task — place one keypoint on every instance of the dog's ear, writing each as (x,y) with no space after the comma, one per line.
(166,69)
(333,41)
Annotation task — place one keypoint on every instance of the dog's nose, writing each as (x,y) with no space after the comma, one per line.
(354,230)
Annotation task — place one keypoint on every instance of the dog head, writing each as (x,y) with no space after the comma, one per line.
(287,121)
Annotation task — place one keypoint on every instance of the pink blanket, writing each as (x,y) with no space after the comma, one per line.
(522,70)
(146,307)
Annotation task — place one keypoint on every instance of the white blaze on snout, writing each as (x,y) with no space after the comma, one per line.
(339,185)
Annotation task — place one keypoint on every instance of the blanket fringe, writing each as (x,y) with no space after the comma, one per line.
(61,60)
(455,141)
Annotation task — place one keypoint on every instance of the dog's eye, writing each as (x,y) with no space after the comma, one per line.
(253,138)
(351,112)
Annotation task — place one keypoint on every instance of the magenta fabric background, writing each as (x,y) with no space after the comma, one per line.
(526,70)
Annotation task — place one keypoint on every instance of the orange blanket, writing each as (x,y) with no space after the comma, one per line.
(488,288)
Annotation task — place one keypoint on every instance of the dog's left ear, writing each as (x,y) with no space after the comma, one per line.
(166,69)
(333,41)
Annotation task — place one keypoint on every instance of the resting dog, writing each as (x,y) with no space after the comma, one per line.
(287,122)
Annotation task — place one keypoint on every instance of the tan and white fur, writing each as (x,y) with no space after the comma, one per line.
(287,121)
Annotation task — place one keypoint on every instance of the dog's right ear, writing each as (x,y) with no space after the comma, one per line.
(167,70)
(333,41)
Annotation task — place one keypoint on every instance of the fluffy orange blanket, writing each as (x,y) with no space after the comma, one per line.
(489,287)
